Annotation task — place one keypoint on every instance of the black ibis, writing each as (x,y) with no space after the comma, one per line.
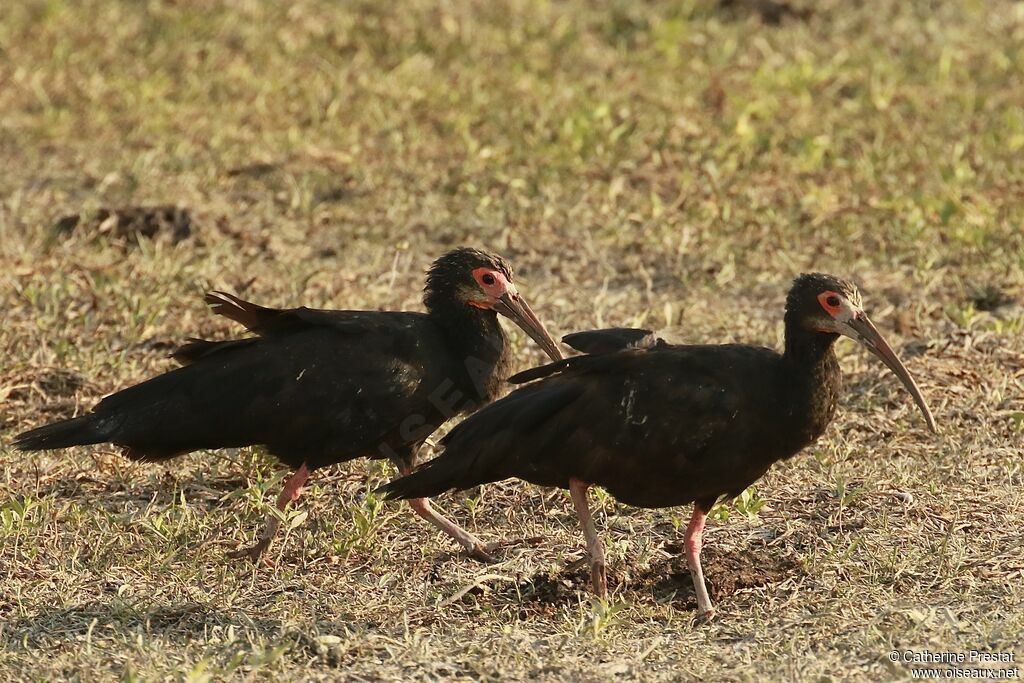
(659,425)
(318,387)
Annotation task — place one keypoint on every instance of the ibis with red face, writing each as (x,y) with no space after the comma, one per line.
(659,425)
(319,387)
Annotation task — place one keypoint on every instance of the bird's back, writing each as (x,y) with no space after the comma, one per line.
(349,384)
(657,427)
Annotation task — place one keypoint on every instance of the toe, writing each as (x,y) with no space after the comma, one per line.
(481,552)
(253,553)
(706,615)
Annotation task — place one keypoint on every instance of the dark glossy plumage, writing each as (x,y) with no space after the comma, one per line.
(316,387)
(657,427)
(610,340)
(324,388)
(660,425)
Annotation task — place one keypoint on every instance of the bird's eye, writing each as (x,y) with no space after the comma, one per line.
(488,279)
(833,301)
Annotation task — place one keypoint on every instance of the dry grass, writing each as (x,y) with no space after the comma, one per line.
(665,164)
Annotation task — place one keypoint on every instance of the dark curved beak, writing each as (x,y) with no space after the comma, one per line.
(867,334)
(514,307)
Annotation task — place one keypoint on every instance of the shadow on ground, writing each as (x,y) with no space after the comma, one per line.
(726,572)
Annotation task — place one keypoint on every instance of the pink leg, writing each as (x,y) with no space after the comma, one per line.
(422,507)
(472,544)
(578,493)
(289,494)
(693,541)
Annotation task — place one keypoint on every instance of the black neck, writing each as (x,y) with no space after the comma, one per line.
(478,341)
(813,380)
(807,347)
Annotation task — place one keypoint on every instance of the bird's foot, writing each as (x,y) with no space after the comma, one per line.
(599,577)
(704,616)
(482,553)
(254,553)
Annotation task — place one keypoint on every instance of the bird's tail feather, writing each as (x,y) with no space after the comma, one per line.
(430,479)
(482,448)
(78,431)
(610,340)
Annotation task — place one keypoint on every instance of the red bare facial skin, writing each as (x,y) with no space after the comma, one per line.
(494,284)
(829,308)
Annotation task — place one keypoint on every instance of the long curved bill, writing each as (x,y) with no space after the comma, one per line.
(514,307)
(868,335)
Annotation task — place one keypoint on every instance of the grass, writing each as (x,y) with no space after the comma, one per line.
(664,164)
